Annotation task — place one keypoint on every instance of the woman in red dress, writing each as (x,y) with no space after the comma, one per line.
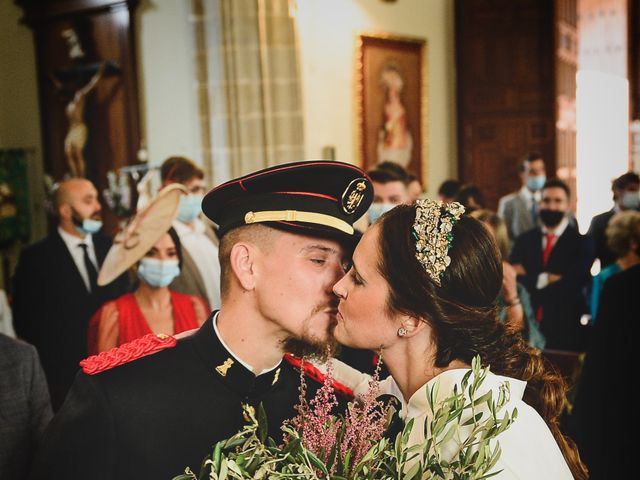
(152,307)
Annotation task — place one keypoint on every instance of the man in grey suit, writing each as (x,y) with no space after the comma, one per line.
(25,409)
(200,271)
(519,209)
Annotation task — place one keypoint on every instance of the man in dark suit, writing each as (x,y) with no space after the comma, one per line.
(626,196)
(286,236)
(54,286)
(553,262)
(25,409)
(600,417)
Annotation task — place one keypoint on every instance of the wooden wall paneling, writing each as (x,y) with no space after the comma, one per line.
(105,31)
(506,100)
(566,67)
(634,58)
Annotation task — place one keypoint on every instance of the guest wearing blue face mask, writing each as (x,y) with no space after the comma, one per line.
(152,248)
(54,286)
(197,235)
(519,209)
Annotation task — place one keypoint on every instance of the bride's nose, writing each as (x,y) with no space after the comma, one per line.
(339,290)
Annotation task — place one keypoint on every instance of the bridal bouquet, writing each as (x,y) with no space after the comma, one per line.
(319,445)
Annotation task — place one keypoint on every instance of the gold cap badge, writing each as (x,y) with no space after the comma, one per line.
(353,195)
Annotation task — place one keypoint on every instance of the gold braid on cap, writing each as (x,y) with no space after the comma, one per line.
(432,233)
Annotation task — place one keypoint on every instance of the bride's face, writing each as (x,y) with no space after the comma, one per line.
(364,320)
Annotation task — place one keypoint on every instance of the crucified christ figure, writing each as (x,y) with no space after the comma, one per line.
(76,137)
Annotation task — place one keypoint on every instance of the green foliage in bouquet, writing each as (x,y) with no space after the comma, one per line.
(465,423)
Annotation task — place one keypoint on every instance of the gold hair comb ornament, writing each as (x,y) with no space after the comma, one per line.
(432,233)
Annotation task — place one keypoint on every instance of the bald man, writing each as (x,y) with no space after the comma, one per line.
(54,289)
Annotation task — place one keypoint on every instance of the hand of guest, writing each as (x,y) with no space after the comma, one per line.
(515,313)
(554,277)
(519,269)
(509,287)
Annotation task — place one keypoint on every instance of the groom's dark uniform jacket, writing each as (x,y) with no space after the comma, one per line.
(152,417)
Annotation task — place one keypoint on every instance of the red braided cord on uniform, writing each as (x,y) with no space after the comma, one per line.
(138,348)
(312,372)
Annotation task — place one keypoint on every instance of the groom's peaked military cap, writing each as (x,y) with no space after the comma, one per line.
(316,198)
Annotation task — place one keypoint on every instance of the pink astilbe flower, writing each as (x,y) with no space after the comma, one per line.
(317,427)
(321,432)
(365,421)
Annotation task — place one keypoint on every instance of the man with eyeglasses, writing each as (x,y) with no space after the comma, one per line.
(198,238)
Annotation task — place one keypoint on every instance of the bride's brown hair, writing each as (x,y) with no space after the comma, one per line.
(462,313)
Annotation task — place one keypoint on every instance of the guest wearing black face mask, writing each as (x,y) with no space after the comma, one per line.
(553,262)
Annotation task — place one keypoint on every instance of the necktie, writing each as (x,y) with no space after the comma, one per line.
(551,239)
(534,211)
(91,269)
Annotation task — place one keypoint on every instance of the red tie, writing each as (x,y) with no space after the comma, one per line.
(551,239)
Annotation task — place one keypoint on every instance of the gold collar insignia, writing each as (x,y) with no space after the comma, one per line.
(222,369)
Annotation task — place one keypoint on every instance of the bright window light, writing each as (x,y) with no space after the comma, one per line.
(602,118)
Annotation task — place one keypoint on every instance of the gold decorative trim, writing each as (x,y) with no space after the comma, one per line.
(298,216)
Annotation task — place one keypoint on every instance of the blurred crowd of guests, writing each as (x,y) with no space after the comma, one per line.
(78,292)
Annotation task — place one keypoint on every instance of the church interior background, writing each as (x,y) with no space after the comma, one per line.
(241,84)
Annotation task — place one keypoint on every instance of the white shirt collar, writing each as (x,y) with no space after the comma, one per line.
(529,196)
(181,228)
(72,241)
(238,359)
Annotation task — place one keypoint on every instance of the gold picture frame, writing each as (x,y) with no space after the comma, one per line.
(391,102)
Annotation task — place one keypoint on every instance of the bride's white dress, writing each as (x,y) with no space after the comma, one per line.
(529,450)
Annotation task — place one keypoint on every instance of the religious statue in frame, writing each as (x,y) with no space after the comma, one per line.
(391,88)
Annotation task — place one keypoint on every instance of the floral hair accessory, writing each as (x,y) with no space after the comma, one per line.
(432,233)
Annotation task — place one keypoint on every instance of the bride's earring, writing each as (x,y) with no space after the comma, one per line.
(402,332)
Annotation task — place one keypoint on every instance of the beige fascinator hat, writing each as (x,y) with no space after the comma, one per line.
(141,233)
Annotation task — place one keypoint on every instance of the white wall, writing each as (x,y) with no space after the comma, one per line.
(19,112)
(327,33)
(168,100)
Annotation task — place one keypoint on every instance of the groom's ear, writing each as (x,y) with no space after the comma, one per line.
(242,260)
